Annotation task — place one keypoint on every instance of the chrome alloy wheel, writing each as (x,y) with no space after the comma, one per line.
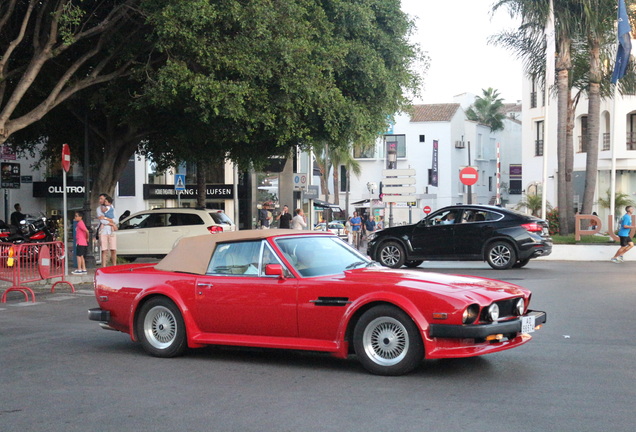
(500,255)
(160,327)
(385,341)
(390,255)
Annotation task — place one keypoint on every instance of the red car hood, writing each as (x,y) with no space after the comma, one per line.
(440,282)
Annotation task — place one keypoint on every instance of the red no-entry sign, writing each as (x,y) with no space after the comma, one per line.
(427,209)
(468,176)
(66,157)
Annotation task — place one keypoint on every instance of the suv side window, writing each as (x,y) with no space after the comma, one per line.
(155,220)
(190,219)
(134,222)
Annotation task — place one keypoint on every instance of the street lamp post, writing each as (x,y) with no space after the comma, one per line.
(391,157)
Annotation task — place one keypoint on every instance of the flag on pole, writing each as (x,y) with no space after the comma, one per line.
(624,43)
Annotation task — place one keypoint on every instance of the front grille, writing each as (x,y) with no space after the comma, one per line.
(506,308)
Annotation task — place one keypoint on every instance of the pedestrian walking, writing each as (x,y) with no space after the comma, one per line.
(624,230)
(356,228)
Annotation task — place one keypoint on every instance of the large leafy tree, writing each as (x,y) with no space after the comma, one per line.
(281,74)
(52,49)
(246,81)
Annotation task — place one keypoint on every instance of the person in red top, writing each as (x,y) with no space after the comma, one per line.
(81,235)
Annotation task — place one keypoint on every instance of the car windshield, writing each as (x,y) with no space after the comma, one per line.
(320,256)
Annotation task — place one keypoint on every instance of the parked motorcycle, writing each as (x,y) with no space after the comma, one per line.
(31,230)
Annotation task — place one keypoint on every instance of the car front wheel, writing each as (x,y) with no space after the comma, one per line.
(391,254)
(500,255)
(161,329)
(387,341)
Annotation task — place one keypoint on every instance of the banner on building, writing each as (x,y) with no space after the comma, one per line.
(434,167)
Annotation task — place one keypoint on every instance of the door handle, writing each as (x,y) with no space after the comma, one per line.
(205,284)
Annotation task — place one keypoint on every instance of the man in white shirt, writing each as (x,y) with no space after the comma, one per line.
(298,222)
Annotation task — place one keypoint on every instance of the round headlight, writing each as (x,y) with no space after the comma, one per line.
(493,312)
(470,314)
(520,307)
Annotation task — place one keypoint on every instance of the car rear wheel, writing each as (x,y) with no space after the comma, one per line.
(387,341)
(521,263)
(391,254)
(161,329)
(413,263)
(500,255)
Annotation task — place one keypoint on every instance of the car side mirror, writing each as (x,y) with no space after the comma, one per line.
(275,270)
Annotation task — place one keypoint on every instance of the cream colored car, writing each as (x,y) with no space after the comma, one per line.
(153,233)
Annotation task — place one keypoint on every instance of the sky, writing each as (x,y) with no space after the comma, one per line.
(454,33)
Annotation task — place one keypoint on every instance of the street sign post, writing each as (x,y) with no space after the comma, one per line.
(66,165)
(179,186)
(469,176)
(396,189)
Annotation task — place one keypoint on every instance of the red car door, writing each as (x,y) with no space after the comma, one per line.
(235,299)
(246,305)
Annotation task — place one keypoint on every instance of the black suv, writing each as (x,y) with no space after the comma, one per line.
(504,238)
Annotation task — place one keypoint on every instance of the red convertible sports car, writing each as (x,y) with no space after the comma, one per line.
(308,291)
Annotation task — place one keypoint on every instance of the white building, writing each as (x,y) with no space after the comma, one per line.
(617,140)
(460,143)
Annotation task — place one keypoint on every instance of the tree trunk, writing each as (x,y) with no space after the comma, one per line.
(112,164)
(563,66)
(201,192)
(336,185)
(593,128)
(569,168)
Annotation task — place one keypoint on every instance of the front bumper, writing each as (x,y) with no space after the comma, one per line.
(481,331)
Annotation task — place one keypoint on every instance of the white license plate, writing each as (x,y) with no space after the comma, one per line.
(527,324)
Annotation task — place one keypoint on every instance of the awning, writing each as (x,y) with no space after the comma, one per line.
(364,202)
(325,204)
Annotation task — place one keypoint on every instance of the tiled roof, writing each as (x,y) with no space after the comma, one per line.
(434,112)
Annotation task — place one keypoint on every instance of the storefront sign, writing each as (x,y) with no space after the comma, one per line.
(54,190)
(10,175)
(159,191)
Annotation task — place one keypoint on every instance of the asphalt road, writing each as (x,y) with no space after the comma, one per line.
(61,372)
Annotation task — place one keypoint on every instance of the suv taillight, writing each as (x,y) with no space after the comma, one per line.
(532,227)
(215,229)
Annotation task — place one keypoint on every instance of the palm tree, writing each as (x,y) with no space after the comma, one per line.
(598,22)
(321,152)
(488,110)
(620,200)
(528,42)
(532,202)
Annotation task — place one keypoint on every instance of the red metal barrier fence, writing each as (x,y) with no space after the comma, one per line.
(31,262)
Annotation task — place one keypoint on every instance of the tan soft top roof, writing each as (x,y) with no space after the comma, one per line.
(192,254)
